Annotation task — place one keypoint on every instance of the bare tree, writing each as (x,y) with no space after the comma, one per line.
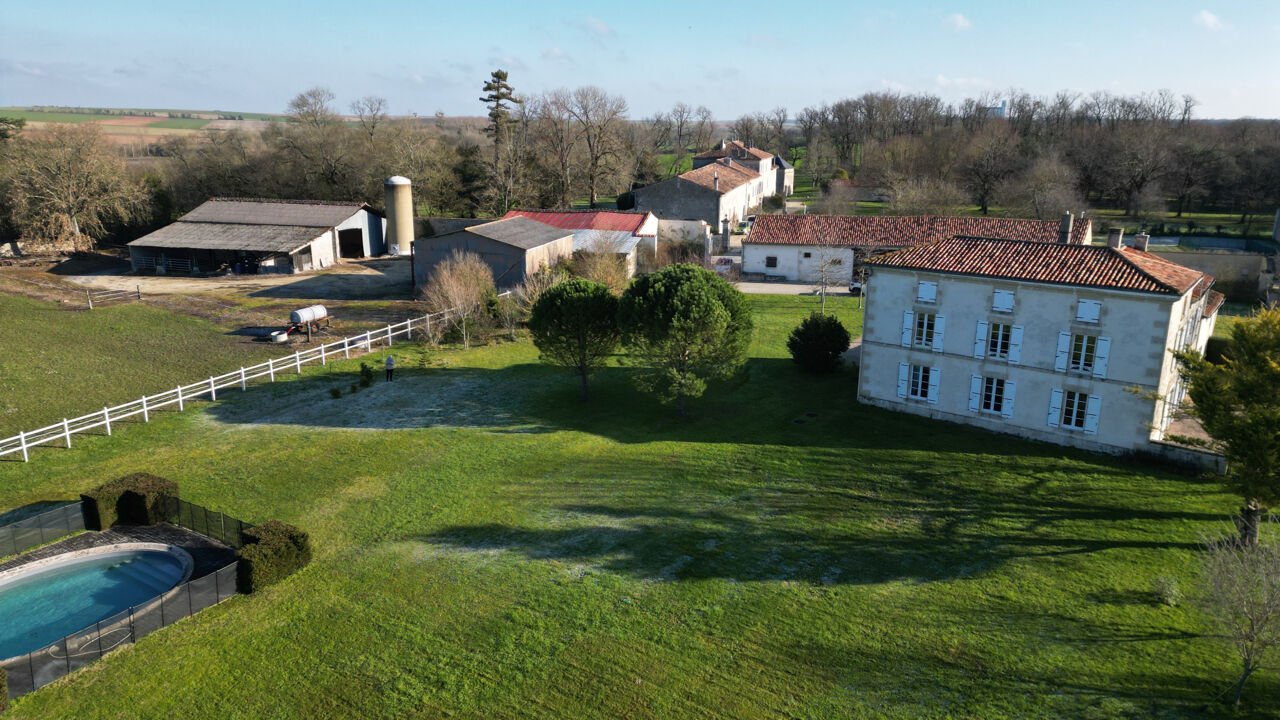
(775,122)
(681,117)
(66,183)
(313,107)
(558,136)
(534,284)
(371,112)
(1042,191)
(1242,595)
(458,285)
(748,130)
(704,127)
(829,266)
(600,117)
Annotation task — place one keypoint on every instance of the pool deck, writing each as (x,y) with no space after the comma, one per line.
(208,554)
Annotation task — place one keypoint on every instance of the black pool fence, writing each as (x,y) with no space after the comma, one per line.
(30,672)
(39,529)
(210,523)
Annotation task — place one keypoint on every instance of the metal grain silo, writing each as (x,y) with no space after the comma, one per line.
(399,200)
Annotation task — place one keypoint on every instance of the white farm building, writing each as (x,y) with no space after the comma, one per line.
(260,236)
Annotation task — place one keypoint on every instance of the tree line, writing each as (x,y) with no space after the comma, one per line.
(1034,156)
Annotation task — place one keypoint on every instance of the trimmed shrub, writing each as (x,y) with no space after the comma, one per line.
(272,552)
(137,499)
(818,343)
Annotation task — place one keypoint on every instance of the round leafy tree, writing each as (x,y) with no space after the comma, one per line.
(818,343)
(575,326)
(684,325)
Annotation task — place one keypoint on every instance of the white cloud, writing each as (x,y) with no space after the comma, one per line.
(598,26)
(1208,20)
(554,53)
(959,22)
(959,82)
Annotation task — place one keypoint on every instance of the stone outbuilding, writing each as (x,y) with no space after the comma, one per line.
(261,236)
(514,248)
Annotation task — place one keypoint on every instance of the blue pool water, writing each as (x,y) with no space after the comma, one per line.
(41,608)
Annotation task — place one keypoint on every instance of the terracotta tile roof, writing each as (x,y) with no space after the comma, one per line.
(586,219)
(1215,302)
(731,176)
(899,231)
(1086,265)
(733,148)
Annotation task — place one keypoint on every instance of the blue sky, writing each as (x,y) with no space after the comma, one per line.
(733,57)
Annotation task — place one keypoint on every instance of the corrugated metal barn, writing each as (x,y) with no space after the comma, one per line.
(513,248)
(283,236)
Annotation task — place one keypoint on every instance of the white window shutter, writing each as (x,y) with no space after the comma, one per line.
(975,393)
(926,291)
(1088,311)
(1010,387)
(980,339)
(1002,301)
(904,376)
(1091,409)
(1015,345)
(1064,351)
(908,327)
(934,373)
(1055,407)
(939,327)
(1100,357)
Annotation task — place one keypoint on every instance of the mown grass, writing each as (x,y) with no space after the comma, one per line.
(521,554)
(57,363)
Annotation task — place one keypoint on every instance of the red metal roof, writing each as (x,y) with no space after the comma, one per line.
(900,230)
(1087,265)
(585,219)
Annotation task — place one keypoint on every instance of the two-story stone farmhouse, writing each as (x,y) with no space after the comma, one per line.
(725,185)
(1065,343)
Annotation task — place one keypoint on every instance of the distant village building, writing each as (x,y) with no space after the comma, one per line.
(1065,343)
(257,235)
(794,247)
(513,247)
(621,232)
(725,185)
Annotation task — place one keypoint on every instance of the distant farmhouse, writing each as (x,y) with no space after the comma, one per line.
(792,247)
(620,232)
(1055,341)
(513,247)
(725,185)
(261,236)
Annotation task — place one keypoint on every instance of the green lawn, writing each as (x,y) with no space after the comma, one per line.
(489,547)
(56,362)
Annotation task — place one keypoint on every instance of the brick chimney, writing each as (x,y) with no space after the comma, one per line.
(1115,238)
(1064,229)
(1140,241)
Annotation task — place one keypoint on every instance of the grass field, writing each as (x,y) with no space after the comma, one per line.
(180,124)
(489,547)
(56,363)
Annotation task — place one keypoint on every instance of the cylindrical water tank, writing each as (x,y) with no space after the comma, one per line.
(307,314)
(399,201)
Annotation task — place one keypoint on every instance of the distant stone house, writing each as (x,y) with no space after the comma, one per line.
(514,248)
(720,193)
(261,236)
(794,247)
(623,232)
(784,175)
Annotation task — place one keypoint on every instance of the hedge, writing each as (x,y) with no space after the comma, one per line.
(137,499)
(272,552)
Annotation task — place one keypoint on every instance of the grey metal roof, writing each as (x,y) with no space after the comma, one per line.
(519,232)
(620,241)
(299,213)
(220,236)
(444,226)
(785,165)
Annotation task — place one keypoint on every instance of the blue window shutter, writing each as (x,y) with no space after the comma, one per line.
(939,327)
(904,376)
(1064,351)
(908,327)
(1055,407)
(1010,387)
(1015,345)
(934,374)
(975,393)
(1100,357)
(1091,409)
(980,339)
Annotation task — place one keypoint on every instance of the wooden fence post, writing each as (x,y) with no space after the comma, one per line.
(106,418)
(179,398)
(89,296)
(139,287)
(22,443)
(66,430)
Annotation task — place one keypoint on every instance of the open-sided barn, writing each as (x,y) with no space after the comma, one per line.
(255,235)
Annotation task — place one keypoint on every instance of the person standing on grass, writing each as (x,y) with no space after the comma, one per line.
(391,366)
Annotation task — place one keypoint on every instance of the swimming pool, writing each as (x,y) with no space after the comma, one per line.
(45,600)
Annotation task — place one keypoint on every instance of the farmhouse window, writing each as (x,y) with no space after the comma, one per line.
(808,254)
(925,324)
(924,383)
(998,341)
(993,395)
(1084,349)
(771,261)
(1002,301)
(1088,311)
(1074,410)
(927,292)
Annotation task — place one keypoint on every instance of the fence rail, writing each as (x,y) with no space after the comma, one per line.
(103,297)
(61,432)
(30,672)
(39,529)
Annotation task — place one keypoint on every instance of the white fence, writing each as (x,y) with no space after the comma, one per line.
(61,432)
